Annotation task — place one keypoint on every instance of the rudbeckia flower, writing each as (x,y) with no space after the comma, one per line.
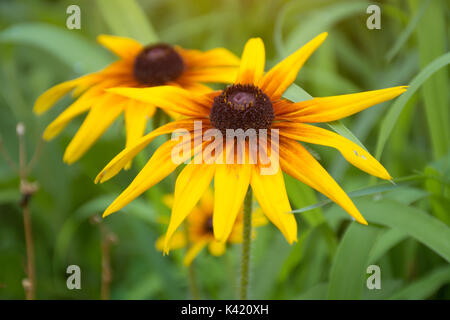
(254,101)
(199,233)
(138,67)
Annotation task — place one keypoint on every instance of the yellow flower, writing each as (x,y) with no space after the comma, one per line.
(138,67)
(254,101)
(200,230)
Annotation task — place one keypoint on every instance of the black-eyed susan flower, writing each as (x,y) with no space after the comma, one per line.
(138,67)
(254,101)
(199,233)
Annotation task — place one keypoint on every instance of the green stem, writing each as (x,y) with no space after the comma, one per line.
(193,282)
(246,238)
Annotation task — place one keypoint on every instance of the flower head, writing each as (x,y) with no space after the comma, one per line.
(254,101)
(138,67)
(199,233)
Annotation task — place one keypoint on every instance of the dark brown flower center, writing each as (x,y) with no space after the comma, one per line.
(208,227)
(158,64)
(242,107)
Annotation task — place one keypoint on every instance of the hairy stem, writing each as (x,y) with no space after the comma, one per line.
(246,236)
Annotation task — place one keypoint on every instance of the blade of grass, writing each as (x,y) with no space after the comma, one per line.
(392,115)
(432,38)
(404,36)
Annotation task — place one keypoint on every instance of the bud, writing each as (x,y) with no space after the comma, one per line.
(20,129)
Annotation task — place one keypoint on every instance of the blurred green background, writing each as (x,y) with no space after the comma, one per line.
(408,234)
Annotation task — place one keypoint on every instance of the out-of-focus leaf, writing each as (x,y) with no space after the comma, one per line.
(320,21)
(416,223)
(126,18)
(392,115)
(435,90)
(71,48)
(349,267)
(385,242)
(424,287)
(403,37)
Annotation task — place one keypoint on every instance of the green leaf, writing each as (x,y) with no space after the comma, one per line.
(320,21)
(385,242)
(404,36)
(348,271)
(127,19)
(416,223)
(392,115)
(71,48)
(432,40)
(372,190)
(424,287)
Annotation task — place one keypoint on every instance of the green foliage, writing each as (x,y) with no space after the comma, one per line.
(408,234)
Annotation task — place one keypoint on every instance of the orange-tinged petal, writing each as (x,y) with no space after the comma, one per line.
(125,48)
(296,161)
(211,58)
(191,184)
(194,251)
(353,153)
(170,98)
(280,77)
(157,168)
(230,186)
(337,107)
(252,62)
(270,192)
(120,161)
(99,118)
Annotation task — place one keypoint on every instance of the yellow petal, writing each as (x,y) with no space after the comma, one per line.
(337,107)
(217,248)
(46,100)
(170,98)
(120,161)
(99,118)
(190,186)
(296,161)
(252,62)
(82,104)
(213,74)
(230,186)
(211,58)
(178,241)
(157,168)
(270,192)
(136,117)
(280,77)
(125,48)
(193,251)
(353,153)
